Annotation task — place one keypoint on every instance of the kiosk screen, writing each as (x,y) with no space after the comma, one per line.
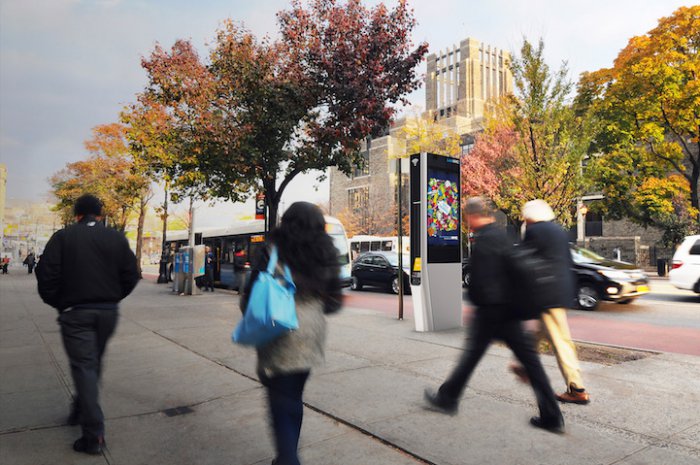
(443,208)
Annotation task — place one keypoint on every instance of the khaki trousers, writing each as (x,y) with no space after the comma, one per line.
(557,331)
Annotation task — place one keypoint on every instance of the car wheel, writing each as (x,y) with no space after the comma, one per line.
(588,297)
(356,285)
(625,301)
(466,279)
(395,285)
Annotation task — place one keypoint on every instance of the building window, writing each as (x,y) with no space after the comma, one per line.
(358,204)
(594,224)
(467,143)
(364,170)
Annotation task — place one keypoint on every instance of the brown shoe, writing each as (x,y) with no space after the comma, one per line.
(520,372)
(574,397)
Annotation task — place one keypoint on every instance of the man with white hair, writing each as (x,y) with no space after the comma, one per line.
(551,243)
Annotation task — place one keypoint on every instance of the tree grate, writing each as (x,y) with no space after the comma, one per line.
(172,412)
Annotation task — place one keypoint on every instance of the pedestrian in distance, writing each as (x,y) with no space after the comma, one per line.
(30,261)
(489,291)
(5,264)
(85,271)
(285,363)
(550,242)
(209,263)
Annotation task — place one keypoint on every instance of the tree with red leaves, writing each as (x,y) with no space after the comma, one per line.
(261,112)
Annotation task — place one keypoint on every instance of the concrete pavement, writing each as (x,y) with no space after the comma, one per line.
(176,391)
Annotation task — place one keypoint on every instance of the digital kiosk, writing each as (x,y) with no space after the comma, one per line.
(436,251)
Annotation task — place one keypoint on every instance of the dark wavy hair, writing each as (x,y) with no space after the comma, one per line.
(308,250)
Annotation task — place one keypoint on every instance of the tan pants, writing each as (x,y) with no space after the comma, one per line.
(557,331)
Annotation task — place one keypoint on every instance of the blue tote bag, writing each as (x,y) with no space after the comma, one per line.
(271,311)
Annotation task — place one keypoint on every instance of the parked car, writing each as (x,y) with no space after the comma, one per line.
(685,266)
(599,278)
(379,269)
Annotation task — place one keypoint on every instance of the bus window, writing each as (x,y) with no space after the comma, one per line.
(364,246)
(355,250)
(387,246)
(375,245)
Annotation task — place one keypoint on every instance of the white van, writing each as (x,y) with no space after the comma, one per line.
(685,267)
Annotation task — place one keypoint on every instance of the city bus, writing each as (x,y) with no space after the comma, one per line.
(234,246)
(362,244)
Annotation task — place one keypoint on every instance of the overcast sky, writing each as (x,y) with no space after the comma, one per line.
(68,65)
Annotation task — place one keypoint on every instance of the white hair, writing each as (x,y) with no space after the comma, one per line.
(537,210)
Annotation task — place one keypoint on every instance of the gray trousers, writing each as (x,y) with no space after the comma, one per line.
(85,334)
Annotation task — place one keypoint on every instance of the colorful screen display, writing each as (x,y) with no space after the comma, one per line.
(443,208)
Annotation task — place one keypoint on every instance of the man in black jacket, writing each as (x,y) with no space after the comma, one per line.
(85,271)
(551,243)
(489,289)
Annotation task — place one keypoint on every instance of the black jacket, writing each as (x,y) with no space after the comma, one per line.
(84,264)
(490,282)
(332,296)
(552,243)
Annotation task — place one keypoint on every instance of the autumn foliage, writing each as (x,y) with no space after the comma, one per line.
(649,132)
(259,112)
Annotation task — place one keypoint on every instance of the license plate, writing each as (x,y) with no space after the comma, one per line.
(642,288)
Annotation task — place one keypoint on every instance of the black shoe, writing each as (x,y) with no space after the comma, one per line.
(88,445)
(553,426)
(439,403)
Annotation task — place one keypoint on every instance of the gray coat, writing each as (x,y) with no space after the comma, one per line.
(299,350)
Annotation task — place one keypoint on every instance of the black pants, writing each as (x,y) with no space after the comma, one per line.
(485,329)
(287,411)
(85,334)
(208,279)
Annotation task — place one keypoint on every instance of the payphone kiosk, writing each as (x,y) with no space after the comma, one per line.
(436,238)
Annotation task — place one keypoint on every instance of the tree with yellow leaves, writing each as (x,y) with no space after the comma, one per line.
(648,105)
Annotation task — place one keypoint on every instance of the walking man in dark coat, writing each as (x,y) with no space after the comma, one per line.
(30,261)
(85,271)
(489,289)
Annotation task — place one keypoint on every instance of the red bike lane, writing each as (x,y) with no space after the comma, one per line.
(584,328)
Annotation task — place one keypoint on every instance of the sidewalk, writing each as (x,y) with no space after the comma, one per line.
(176,391)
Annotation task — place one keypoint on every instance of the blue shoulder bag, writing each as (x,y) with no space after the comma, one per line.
(271,311)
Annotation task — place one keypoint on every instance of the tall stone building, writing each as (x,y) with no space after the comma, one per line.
(461,84)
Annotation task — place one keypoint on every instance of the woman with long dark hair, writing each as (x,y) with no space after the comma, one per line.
(285,363)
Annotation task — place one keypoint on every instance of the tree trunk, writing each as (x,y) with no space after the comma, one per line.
(143,204)
(272,209)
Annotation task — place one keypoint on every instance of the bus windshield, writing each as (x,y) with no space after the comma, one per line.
(341,244)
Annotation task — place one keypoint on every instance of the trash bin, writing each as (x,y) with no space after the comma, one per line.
(662,266)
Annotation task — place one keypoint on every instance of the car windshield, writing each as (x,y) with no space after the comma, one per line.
(580,255)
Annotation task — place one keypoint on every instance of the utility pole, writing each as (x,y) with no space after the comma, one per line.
(400,236)
(190,287)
